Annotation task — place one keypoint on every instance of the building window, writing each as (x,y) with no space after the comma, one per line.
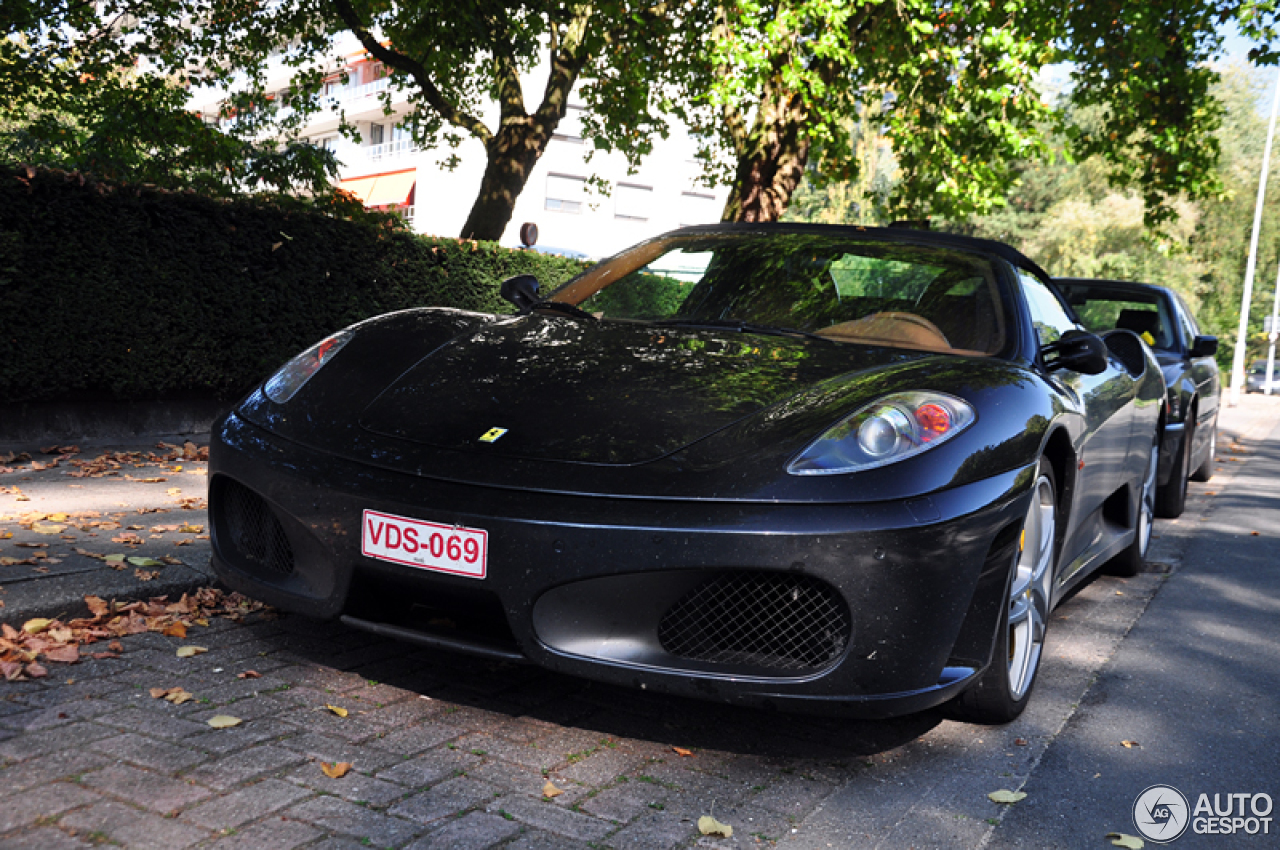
(375,134)
(566,193)
(570,127)
(698,208)
(632,202)
(329,143)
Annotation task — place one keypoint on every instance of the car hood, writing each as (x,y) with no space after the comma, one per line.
(619,393)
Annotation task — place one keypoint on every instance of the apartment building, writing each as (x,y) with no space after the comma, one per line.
(388,171)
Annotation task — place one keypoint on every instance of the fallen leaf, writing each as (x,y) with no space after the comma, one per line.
(175,629)
(98,607)
(189,651)
(139,561)
(64,654)
(338,710)
(146,575)
(36,671)
(249,674)
(179,696)
(42,528)
(550,790)
(115,646)
(191,529)
(1004,795)
(1129,745)
(708,825)
(681,751)
(157,693)
(1020,742)
(224,721)
(36,625)
(336,770)
(1132,842)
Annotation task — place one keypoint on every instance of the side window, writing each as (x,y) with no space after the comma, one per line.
(1048,314)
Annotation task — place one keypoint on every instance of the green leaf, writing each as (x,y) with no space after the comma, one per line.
(1004,795)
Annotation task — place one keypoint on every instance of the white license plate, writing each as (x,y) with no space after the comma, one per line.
(428,545)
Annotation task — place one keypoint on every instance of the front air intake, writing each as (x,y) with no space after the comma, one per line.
(765,620)
(252,531)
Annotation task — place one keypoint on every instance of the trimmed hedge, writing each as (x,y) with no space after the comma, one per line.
(133,293)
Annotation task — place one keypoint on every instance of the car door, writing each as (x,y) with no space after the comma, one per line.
(1107,404)
(1202,370)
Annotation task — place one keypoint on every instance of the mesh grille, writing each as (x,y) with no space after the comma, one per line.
(253,530)
(767,620)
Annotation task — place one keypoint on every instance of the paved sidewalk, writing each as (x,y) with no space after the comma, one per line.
(62,513)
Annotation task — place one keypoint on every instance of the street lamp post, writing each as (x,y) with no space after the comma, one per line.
(1273,330)
(1237,359)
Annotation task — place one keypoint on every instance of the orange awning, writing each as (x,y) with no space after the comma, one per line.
(392,189)
(382,190)
(359,186)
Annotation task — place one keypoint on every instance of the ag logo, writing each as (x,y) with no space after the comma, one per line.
(1161,814)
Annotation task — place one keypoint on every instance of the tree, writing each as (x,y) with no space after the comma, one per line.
(455,61)
(72,96)
(956,85)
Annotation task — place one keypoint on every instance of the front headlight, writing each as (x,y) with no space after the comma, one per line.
(285,383)
(888,430)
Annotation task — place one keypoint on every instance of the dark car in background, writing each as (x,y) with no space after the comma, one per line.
(1165,322)
(809,468)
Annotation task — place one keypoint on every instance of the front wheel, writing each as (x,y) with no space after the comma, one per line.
(1130,561)
(1004,688)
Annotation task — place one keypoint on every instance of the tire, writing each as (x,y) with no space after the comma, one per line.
(1130,561)
(1004,688)
(1204,471)
(1171,499)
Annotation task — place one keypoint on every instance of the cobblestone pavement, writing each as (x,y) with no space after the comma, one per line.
(447,751)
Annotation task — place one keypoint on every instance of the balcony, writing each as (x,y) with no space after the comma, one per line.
(390,150)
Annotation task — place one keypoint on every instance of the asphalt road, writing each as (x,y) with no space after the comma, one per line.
(450,752)
(1196,683)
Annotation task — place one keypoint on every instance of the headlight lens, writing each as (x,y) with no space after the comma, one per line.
(888,430)
(285,383)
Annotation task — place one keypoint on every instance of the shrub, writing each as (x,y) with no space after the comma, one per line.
(115,291)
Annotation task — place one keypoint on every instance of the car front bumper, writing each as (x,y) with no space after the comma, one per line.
(874,609)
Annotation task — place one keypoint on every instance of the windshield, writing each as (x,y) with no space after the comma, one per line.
(843,287)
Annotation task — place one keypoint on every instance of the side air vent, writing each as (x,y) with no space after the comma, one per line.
(252,533)
(769,621)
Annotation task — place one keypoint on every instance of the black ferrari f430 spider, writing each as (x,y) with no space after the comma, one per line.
(813,468)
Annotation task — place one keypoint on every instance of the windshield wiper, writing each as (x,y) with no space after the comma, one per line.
(562,307)
(740,326)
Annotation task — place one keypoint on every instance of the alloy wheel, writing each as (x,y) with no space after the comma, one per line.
(1030,590)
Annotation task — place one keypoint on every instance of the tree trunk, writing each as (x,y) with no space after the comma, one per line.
(771,160)
(510,156)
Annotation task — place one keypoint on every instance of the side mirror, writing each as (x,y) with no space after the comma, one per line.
(521,290)
(1079,351)
(1204,346)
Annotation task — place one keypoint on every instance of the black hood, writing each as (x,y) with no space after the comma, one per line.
(601,392)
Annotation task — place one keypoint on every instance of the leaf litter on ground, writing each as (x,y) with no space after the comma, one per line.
(22,649)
